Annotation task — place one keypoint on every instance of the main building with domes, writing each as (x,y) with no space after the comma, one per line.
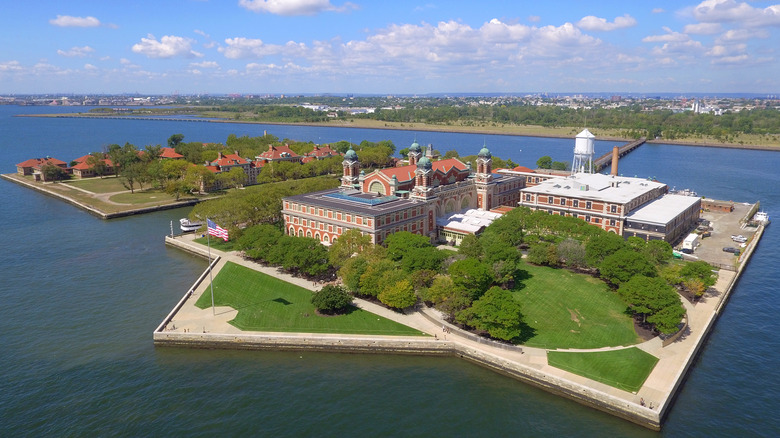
(406,198)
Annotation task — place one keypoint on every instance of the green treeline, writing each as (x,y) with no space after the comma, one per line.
(631,120)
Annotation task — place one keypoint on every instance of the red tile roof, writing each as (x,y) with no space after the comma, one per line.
(523,169)
(228,160)
(169,153)
(277,153)
(35,162)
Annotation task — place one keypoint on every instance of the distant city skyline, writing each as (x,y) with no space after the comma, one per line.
(401,47)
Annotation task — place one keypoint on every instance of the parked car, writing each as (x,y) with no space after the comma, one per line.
(731,249)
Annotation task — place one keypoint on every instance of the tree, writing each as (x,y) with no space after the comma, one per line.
(440,290)
(399,294)
(400,243)
(699,270)
(571,253)
(559,165)
(304,254)
(373,279)
(655,300)
(471,246)
(496,312)
(233,178)
(544,254)
(257,241)
(174,140)
(331,299)
(427,258)
(134,173)
(659,251)
(177,188)
(471,276)
(544,162)
(601,246)
(97,163)
(199,177)
(351,271)
(623,265)
(349,243)
(51,172)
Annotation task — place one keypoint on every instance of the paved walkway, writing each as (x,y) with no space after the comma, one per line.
(656,391)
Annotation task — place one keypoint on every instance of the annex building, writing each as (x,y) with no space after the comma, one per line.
(622,205)
(405,198)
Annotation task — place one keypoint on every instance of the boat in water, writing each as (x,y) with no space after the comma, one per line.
(187,225)
(762,218)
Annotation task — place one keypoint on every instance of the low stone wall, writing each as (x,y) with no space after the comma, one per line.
(415,346)
(186,296)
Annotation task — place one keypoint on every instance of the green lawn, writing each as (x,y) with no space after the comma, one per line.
(568,310)
(144,196)
(624,369)
(99,185)
(265,303)
(218,243)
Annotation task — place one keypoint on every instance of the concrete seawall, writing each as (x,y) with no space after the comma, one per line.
(92,210)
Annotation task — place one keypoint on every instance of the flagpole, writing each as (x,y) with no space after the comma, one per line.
(211,279)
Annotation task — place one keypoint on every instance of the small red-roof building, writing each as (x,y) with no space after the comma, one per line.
(321,153)
(170,153)
(84,170)
(279,153)
(33,166)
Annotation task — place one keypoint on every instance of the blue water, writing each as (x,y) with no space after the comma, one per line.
(81,296)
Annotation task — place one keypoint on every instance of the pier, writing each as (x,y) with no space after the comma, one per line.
(606,159)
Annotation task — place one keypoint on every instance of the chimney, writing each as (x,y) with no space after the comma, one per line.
(270,148)
(219,155)
(615,157)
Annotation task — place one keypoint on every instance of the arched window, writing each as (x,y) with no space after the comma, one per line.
(308,233)
(325,238)
(300,232)
(292,231)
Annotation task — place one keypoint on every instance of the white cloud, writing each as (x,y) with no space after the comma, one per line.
(670,36)
(658,10)
(168,46)
(593,23)
(205,64)
(293,7)
(90,67)
(737,59)
(702,28)
(719,50)
(70,21)
(733,35)
(534,18)
(731,11)
(76,52)
(10,66)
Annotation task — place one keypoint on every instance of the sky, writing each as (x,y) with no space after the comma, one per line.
(389,47)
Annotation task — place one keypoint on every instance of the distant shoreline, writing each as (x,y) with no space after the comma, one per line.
(514,131)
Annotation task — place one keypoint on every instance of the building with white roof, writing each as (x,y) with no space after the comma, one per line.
(607,201)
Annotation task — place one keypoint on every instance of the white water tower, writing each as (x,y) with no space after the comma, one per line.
(583,152)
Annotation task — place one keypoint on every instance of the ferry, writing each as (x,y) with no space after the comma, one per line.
(188,226)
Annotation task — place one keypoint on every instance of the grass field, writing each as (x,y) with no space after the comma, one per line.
(568,310)
(265,303)
(144,197)
(99,185)
(217,243)
(624,369)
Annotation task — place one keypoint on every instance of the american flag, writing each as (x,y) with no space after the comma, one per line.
(217,231)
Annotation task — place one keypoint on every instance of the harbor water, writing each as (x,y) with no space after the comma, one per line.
(81,297)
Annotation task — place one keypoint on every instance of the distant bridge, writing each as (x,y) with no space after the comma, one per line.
(606,159)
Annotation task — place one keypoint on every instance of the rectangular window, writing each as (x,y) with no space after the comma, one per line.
(588,205)
(563,201)
(612,222)
(613,209)
(576,203)
(549,199)
(587,218)
(528,197)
